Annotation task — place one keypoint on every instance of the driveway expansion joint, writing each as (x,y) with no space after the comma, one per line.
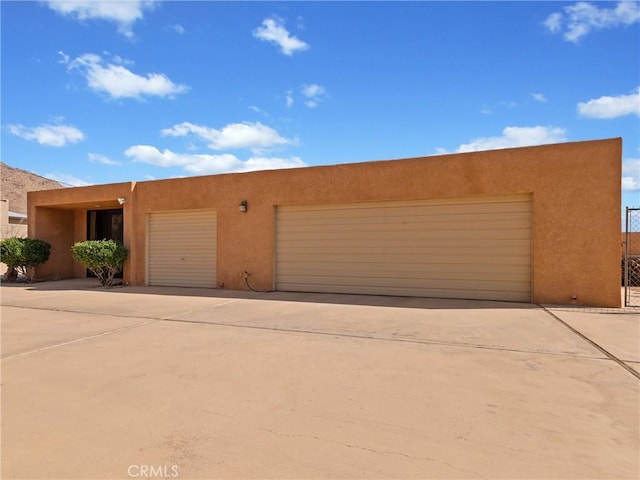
(388,339)
(609,355)
(76,340)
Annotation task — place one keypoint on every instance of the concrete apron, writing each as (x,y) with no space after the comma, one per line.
(219,384)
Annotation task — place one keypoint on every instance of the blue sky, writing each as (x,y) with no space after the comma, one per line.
(102,91)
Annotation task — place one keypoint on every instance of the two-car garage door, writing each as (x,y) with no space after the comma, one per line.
(477,248)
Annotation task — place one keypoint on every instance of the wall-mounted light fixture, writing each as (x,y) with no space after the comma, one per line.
(243,206)
(122,200)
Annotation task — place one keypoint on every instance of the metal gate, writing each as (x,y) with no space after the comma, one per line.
(631,262)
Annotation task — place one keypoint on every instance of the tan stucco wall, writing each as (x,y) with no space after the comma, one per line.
(55,226)
(4,212)
(576,202)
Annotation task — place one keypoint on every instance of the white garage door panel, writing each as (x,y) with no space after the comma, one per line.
(507,221)
(408,258)
(437,283)
(413,271)
(182,248)
(408,292)
(460,248)
(330,249)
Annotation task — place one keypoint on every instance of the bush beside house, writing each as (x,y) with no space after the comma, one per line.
(20,255)
(104,258)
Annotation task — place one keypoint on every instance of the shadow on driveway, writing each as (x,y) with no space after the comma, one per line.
(305,297)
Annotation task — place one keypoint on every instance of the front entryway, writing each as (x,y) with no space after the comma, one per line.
(105,225)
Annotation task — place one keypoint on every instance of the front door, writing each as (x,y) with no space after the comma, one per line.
(105,225)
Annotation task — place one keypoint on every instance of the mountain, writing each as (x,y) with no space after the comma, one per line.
(15,183)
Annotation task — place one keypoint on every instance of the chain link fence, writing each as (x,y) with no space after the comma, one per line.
(631,263)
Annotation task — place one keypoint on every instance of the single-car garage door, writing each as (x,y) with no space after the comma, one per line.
(477,248)
(182,248)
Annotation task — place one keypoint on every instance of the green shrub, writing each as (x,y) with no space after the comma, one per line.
(22,254)
(102,257)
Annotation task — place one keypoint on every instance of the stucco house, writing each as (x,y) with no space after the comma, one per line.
(534,224)
(12,224)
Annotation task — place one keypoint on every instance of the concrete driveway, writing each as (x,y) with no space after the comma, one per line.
(183,383)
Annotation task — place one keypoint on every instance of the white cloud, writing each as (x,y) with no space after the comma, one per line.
(67,180)
(271,163)
(272,30)
(65,58)
(98,158)
(539,97)
(118,82)
(631,174)
(177,28)
(314,94)
(312,90)
(515,137)
(611,107)
(554,22)
(255,136)
(201,164)
(194,163)
(124,13)
(46,134)
(488,109)
(259,111)
(289,99)
(581,18)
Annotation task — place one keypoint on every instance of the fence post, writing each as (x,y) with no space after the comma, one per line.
(632,258)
